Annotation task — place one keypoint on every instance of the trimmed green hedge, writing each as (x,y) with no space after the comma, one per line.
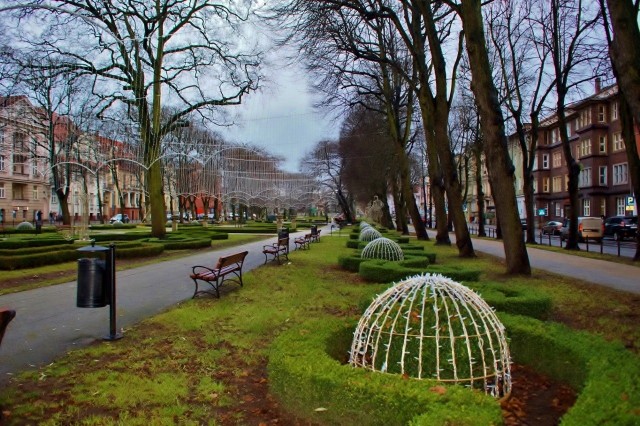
(36,242)
(131,236)
(383,271)
(353,244)
(350,263)
(144,250)
(184,244)
(514,299)
(402,240)
(304,376)
(605,374)
(38,259)
(415,262)
(36,250)
(111,227)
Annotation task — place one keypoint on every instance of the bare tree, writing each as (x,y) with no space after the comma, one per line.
(499,165)
(325,162)
(523,82)
(143,54)
(625,64)
(568,32)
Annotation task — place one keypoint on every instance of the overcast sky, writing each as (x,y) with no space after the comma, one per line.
(281,117)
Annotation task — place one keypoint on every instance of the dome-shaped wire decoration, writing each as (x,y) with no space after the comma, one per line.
(382,248)
(431,327)
(369,234)
(364,224)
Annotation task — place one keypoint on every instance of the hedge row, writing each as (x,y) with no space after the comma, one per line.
(35,250)
(304,376)
(605,374)
(36,242)
(34,260)
(384,271)
(514,299)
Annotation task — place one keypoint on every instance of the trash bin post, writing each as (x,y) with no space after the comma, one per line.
(113,333)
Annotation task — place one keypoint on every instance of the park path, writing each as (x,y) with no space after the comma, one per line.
(48,323)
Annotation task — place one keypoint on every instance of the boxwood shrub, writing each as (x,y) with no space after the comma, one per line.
(37,259)
(402,240)
(132,236)
(350,263)
(415,262)
(305,373)
(456,273)
(143,250)
(383,271)
(514,299)
(604,374)
(353,244)
(36,242)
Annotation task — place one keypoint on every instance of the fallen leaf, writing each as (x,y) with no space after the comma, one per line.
(440,390)
(320,409)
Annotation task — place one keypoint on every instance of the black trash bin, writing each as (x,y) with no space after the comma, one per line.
(284,233)
(93,283)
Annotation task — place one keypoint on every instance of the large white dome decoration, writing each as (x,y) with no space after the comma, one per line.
(369,234)
(382,248)
(431,327)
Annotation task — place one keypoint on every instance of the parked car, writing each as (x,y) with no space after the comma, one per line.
(120,218)
(621,227)
(588,227)
(553,227)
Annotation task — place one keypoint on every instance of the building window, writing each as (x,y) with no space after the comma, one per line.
(585,178)
(620,174)
(585,147)
(602,114)
(585,118)
(620,207)
(2,193)
(2,138)
(557,159)
(602,173)
(54,197)
(19,142)
(545,161)
(545,184)
(2,162)
(34,193)
(618,142)
(557,184)
(586,207)
(602,144)
(603,207)
(566,183)
(614,111)
(558,210)
(19,164)
(554,136)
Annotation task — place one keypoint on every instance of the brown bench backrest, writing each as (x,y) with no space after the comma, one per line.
(283,242)
(231,259)
(6,315)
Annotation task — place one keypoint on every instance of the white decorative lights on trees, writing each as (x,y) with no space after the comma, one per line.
(382,248)
(431,327)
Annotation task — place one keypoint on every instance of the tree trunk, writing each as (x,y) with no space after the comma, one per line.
(482,232)
(499,165)
(628,134)
(624,51)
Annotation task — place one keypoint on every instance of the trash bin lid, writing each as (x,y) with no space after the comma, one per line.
(93,248)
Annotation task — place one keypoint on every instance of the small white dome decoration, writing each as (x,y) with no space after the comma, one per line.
(382,248)
(369,234)
(431,327)
(364,224)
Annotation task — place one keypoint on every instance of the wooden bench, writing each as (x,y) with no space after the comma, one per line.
(227,266)
(276,250)
(6,315)
(302,243)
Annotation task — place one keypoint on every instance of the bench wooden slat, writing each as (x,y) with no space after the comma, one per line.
(276,250)
(226,266)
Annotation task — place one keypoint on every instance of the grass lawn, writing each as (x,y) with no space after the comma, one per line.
(204,361)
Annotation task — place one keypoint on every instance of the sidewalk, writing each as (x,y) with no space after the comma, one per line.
(610,274)
(48,323)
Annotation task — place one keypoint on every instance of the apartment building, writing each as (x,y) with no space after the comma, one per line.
(24,182)
(596,143)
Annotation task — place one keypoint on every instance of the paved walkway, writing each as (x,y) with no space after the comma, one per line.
(48,323)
